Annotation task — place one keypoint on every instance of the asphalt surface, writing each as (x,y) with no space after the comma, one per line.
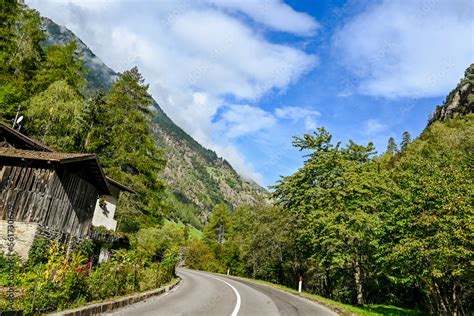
(207,294)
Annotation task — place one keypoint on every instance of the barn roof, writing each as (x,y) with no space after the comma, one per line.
(84,162)
(22,140)
(43,155)
(119,185)
(30,149)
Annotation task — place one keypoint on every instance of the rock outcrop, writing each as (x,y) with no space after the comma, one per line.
(459,102)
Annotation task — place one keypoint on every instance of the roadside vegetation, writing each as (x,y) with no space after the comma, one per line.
(55,279)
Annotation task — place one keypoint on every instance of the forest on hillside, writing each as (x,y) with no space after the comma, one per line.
(395,228)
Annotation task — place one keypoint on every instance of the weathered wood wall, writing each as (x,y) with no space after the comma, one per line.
(52,197)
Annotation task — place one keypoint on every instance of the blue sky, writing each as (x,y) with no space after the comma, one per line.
(243,77)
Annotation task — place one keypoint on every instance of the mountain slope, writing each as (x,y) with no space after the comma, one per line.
(198,179)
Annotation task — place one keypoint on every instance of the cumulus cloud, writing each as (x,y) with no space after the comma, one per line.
(408,48)
(196,55)
(239,120)
(274,14)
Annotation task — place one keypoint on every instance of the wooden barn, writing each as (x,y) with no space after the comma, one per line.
(50,194)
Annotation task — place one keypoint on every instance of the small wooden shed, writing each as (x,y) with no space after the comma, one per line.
(50,194)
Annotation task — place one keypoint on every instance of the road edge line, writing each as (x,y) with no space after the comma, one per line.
(238,303)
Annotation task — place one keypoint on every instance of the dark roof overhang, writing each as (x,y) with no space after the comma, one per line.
(118,185)
(86,163)
(27,142)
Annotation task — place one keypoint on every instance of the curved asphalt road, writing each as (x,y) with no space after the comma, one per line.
(203,293)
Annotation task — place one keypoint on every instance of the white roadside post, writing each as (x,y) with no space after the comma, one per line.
(300,284)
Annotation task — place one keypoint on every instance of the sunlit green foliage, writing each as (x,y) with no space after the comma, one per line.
(60,63)
(52,116)
(119,131)
(430,230)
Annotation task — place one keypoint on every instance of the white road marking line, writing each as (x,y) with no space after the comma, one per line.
(237,305)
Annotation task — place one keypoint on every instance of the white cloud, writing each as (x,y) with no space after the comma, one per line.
(95,5)
(297,113)
(408,48)
(374,126)
(196,55)
(245,169)
(274,14)
(239,120)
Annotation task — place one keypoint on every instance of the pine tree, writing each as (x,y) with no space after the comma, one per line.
(121,134)
(61,62)
(406,139)
(20,54)
(392,148)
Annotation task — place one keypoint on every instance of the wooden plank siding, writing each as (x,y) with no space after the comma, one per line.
(55,198)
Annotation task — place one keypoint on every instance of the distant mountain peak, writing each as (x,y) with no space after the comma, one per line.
(460,101)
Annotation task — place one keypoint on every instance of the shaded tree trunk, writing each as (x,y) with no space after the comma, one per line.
(358,283)
(220,234)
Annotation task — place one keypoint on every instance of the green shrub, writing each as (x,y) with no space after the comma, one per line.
(89,248)
(39,251)
(153,276)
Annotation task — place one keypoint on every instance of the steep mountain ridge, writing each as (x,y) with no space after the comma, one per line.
(459,102)
(198,179)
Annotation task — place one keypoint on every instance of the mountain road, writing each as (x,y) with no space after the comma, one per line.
(202,293)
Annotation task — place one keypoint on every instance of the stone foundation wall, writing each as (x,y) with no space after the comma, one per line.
(24,235)
(53,234)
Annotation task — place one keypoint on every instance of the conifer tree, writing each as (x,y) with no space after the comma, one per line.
(61,62)
(406,139)
(20,54)
(121,134)
(392,148)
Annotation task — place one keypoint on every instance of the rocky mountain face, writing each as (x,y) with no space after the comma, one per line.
(197,178)
(460,101)
(196,175)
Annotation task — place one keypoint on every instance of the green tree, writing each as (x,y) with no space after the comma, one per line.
(52,116)
(92,132)
(20,54)
(154,241)
(219,226)
(392,148)
(260,244)
(118,128)
(61,62)
(337,197)
(406,139)
(198,255)
(10,98)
